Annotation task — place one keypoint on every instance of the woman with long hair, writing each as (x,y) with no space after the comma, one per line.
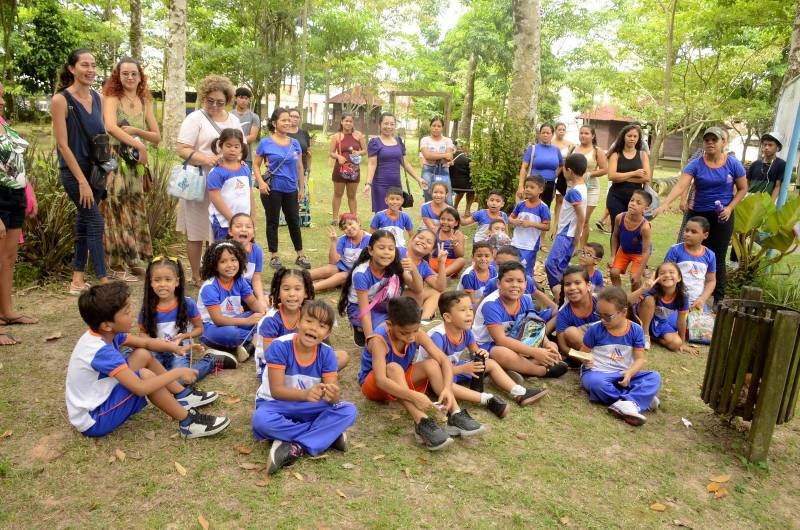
(596,167)
(437,152)
(628,170)
(129,118)
(347,147)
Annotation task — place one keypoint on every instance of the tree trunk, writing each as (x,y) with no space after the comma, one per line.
(669,60)
(8,18)
(465,124)
(793,68)
(175,85)
(523,97)
(327,109)
(301,85)
(746,143)
(135,33)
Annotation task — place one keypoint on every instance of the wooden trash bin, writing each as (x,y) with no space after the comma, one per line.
(753,366)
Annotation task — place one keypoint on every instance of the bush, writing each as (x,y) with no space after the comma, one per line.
(781,288)
(497,148)
(161,207)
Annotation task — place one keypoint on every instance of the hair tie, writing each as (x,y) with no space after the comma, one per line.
(160,258)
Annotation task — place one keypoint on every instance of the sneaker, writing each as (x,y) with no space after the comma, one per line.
(245,351)
(655,404)
(462,424)
(557,370)
(573,364)
(223,359)
(203,425)
(429,433)
(647,342)
(275,262)
(197,399)
(498,407)
(283,454)
(358,337)
(340,444)
(531,396)
(516,377)
(303,261)
(627,411)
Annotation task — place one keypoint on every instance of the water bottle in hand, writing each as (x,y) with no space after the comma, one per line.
(718,207)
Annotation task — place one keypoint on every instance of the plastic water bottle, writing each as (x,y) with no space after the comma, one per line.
(719,208)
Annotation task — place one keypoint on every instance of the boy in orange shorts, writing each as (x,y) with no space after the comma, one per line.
(388,372)
(630,242)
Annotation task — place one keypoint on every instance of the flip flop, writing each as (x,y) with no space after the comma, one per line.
(22,320)
(12,338)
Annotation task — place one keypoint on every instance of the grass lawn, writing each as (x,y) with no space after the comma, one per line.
(563,462)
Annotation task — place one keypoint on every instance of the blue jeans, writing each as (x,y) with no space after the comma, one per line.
(169,360)
(89,228)
(431,174)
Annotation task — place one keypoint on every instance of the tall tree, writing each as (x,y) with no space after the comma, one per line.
(301,73)
(525,75)
(135,33)
(8,18)
(465,125)
(670,7)
(793,68)
(175,82)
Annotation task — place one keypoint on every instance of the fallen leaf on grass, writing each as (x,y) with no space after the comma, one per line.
(359,446)
(658,507)
(407,473)
(150,435)
(681,524)
(379,457)
(264,482)
(686,422)
(298,476)
(341,494)
(6,434)
(120,454)
(112,459)
(319,457)
(521,436)
(249,466)
(180,469)
(422,461)
(232,400)
(54,336)
(394,417)
(1,366)
(203,522)
(243,449)
(136,455)
(722,492)
(348,465)
(720,478)
(175,435)
(712,487)
(565,520)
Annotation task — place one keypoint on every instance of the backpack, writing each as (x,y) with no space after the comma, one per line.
(528,328)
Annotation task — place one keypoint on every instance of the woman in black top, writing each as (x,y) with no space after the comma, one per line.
(302,136)
(628,170)
(461,179)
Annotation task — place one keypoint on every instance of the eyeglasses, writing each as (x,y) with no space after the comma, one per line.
(587,254)
(161,258)
(131,75)
(215,102)
(607,318)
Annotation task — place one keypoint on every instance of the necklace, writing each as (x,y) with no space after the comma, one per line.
(131,101)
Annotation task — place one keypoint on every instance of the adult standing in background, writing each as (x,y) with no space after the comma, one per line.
(387,154)
(437,156)
(304,139)
(282,186)
(347,145)
(544,159)
(198,130)
(628,170)
(461,178)
(596,167)
(75,104)
(249,120)
(714,176)
(129,118)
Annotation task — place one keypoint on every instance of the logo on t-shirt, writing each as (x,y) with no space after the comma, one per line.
(616,355)
(229,307)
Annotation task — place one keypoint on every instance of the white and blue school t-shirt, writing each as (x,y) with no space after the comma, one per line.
(404,358)
(613,353)
(282,161)
(271,326)
(567,219)
(693,267)
(397,225)
(529,238)
(234,187)
(667,310)
(166,321)
(484,219)
(227,297)
(281,356)
(429,212)
(423,267)
(457,349)
(491,285)
(567,317)
(349,250)
(713,183)
(492,312)
(255,262)
(90,376)
(369,281)
(597,281)
(474,282)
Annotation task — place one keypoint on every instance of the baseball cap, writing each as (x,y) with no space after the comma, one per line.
(716,131)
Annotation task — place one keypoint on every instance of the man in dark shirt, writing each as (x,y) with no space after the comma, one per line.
(765,175)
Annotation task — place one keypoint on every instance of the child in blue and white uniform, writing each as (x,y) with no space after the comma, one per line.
(298,404)
(614,376)
(509,253)
(227,326)
(343,253)
(570,220)
(242,230)
(494,202)
(698,263)
(451,241)
(590,257)
(393,219)
(664,307)
(476,276)
(433,208)
(420,247)
(229,183)
(531,218)
(578,311)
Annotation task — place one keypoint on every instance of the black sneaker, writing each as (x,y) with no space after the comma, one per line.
(573,363)
(531,395)
(283,454)
(203,425)
(557,370)
(303,261)
(358,337)
(429,433)
(498,407)
(196,398)
(275,262)
(223,359)
(340,444)
(462,424)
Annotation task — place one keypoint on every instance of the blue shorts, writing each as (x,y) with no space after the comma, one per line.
(660,326)
(120,405)
(486,346)
(528,259)
(547,314)
(378,317)
(341,266)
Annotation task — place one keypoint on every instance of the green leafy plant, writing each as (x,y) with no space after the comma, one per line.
(497,148)
(161,206)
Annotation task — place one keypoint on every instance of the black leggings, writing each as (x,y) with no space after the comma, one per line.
(719,237)
(273,203)
(616,203)
(548,193)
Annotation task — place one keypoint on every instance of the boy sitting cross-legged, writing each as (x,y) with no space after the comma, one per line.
(388,372)
(105,387)
(454,337)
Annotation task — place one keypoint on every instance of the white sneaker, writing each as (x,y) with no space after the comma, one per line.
(655,404)
(627,411)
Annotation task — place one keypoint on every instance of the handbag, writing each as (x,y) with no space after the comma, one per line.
(408,199)
(99,146)
(187,182)
(348,171)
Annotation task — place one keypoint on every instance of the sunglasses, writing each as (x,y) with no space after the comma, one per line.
(607,318)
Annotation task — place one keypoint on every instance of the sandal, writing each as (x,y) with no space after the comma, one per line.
(8,340)
(123,276)
(77,289)
(22,320)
